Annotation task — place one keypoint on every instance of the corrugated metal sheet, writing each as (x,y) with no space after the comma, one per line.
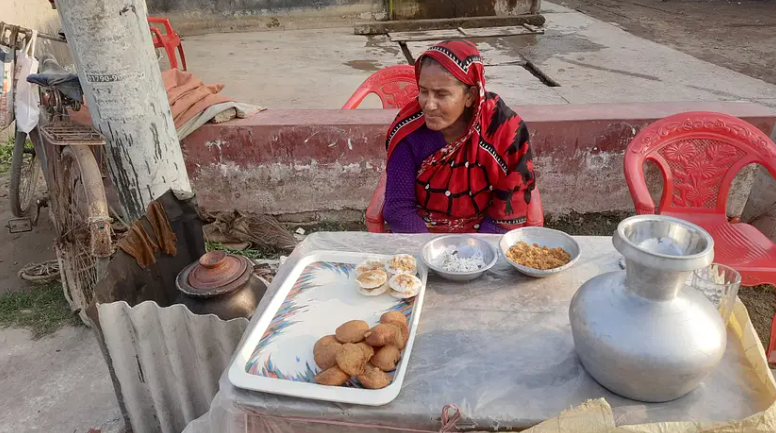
(167,361)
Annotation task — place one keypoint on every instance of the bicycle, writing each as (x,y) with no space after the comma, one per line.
(25,166)
(79,208)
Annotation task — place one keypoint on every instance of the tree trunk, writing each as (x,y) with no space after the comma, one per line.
(112,48)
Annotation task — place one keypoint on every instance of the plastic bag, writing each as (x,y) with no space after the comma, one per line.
(6,86)
(27,100)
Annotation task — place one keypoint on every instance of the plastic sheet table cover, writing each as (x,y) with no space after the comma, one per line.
(499,347)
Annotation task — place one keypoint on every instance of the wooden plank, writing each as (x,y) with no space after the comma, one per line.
(460,32)
(489,32)
(429,35)
(385,27)
(492,54)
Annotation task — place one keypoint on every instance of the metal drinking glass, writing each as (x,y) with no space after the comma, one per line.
(719,283)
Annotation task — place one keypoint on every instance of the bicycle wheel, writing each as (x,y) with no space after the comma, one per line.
(84,243)
(25,171)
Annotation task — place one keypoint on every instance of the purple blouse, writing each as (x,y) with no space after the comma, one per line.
(401,205)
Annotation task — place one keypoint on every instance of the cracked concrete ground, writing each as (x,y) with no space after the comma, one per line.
(593,61)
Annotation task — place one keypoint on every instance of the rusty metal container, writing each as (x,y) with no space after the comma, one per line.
(221,284)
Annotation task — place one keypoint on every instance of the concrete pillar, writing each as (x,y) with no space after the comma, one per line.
(116,62)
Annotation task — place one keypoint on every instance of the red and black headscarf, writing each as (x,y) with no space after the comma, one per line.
(488,171)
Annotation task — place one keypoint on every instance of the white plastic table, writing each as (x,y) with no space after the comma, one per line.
(499,347)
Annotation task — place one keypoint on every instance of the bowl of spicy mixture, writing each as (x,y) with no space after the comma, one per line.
(539,252)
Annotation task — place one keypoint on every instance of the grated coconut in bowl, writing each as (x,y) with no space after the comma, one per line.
(451,262)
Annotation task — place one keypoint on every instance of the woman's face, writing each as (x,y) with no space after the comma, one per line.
(442,97)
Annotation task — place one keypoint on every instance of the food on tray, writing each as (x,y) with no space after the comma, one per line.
(351,359)
(403,264)
(325,352)
(404,332)
(370,265)
(386,358)
(538,257)
(374,378)
(372,283)
(357,351)
(368,350)
(453,262)
(332,376)
(384,334)
(393,316)
(399,320)
(352,332)
(404,286)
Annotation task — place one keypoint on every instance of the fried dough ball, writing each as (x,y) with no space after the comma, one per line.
(386,358)
(332,376)
(368,350)
(404,331)
(374,378)
(351,359)
(325,352)
(393,316)
(381,335)
(352,332)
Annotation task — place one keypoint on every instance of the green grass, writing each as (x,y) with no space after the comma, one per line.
(42,309)
(336,226)
(6,152)
(251,253)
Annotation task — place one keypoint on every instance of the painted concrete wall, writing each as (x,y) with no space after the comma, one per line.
(252,7)
(404,9)
(318,164)
(195,17)
(38,15)
(428,9)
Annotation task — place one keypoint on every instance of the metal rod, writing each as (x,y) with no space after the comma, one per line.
(28,32)
(52,37)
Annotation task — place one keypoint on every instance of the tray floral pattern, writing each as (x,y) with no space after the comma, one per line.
(323,297)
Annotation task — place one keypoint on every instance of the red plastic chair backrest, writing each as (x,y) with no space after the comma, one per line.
(396,86)
(699,154)
(164,21)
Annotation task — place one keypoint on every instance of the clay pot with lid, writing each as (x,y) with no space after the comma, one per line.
(221,284)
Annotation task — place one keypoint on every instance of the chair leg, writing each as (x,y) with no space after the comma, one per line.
(183,57)
(171,55)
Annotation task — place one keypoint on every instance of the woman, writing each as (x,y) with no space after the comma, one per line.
(459,159)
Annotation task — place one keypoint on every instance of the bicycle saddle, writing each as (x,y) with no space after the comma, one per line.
(52,75)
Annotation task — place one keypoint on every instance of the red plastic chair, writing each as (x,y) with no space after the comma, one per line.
(699,154)
(395,86)
(169,40)
(376,224)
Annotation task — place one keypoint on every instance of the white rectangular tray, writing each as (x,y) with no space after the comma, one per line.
(318,296)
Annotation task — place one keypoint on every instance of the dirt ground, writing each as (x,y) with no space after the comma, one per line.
(21,248)
(739,35)
(760,301)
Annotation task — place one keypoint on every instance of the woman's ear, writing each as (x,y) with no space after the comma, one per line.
(471,96)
